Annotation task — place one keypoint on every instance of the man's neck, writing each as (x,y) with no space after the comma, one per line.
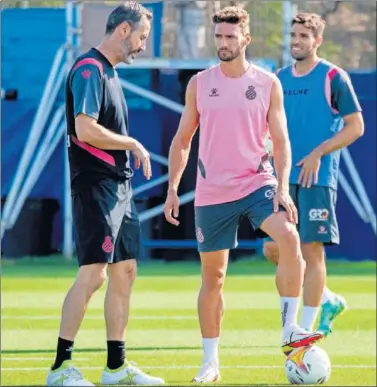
(105,48)
(236,68)
(304,66)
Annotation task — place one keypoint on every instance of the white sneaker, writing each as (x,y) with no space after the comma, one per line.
(208,374)
(66,375)
(296,337)
(130,375)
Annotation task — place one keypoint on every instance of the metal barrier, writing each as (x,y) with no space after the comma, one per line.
(53,137)
(49,95)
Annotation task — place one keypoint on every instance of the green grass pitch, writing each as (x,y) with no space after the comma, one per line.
(163,335)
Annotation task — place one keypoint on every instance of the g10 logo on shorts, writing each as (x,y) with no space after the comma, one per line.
(318,214)
(270,193)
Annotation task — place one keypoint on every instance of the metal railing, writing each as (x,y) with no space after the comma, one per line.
(44,110)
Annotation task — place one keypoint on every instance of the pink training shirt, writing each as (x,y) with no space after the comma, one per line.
(233,160)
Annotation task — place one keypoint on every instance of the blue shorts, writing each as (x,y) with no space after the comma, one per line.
(217,225)
(316,214)
(107,227)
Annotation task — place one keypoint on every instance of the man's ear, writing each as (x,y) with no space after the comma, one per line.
(124,30)
(247,39)
(318,41)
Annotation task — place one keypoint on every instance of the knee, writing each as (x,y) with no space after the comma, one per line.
(130,272)
(123,275)
(99,278)
(313,253)
(271,252)
(213,277)
(289,242)
(289,236)
(92,277)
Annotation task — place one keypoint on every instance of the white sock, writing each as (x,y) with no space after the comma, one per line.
(308,317)
(289,311)
(211,350)
(327,295)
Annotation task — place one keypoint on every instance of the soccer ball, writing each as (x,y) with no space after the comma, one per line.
(308,365)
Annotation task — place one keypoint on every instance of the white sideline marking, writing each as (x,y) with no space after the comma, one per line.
(189,367)
(100,317)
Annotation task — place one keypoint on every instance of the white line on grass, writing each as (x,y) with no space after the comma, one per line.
(100,317)
(193,367)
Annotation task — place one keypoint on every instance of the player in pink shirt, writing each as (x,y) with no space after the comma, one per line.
(236,103)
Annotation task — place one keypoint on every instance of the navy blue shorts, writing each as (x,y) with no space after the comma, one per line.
(316,214)
(217,225)
(106,223)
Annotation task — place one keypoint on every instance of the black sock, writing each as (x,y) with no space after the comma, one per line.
(116,354)
(63,352)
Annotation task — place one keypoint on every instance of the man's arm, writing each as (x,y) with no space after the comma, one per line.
(344,100)
(277,122)
(353,129)
(180,150)
(89,131)
(86,86)
(281,146)
(181,144)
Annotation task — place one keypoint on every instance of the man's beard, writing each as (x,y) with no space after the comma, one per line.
(130,54)
(229,55)
(300,57)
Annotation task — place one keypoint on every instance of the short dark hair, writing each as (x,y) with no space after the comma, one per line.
(130,12)
(233,15)
(312,21)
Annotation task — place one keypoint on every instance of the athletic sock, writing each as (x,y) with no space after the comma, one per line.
(63,352)
(327,295)
(211,350)
(308,317)
(116,354)
(289,311)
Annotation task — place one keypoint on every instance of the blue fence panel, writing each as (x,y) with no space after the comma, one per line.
(357,239)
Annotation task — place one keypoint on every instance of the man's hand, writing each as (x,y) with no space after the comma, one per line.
(142,157)
(171,208)
(283,198)
(309,169)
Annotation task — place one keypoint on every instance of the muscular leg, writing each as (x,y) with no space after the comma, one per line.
(315,278)
(290,269)
(271,252)
(211,301)
(117,300)
(89,279)
(117,304)
(289,280)
(314,256)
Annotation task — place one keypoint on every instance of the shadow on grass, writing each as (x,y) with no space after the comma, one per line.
(135,349)
(60,267)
